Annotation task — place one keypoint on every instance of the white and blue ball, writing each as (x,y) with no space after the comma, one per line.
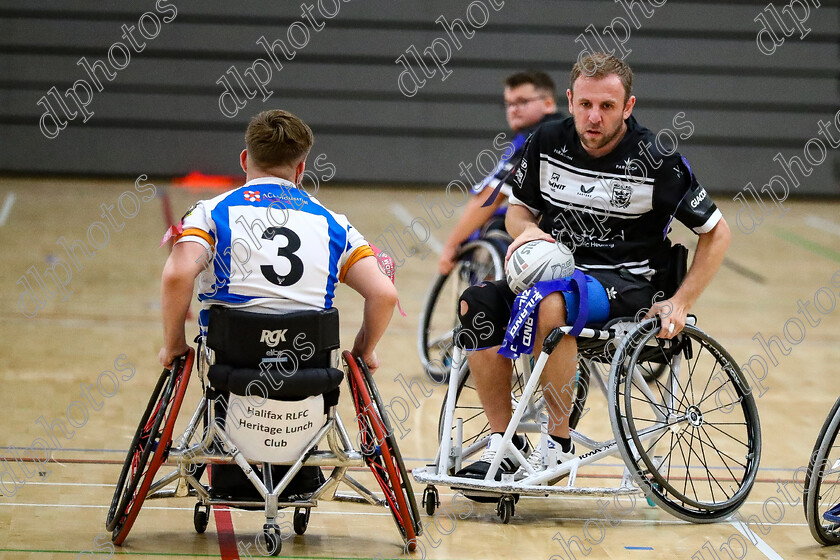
(537,261)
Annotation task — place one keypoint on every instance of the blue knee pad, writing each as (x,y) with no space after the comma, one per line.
(599,304)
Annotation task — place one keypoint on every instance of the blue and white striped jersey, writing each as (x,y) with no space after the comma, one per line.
(274,248)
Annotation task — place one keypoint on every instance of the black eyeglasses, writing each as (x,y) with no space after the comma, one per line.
(522,102)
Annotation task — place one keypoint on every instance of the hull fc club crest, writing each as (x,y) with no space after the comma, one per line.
(621,195)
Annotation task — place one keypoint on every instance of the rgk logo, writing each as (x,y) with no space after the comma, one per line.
(273,338)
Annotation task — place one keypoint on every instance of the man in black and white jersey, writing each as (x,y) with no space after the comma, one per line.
(596,182)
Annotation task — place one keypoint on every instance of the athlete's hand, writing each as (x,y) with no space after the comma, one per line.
(446,262)
(167,355)
(672,315)
(371,361)
(531,233)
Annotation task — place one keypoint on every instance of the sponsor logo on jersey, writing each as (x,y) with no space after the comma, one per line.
(699,198)
(251,196)
(621,195)
(626,165)
(520,176)
(611,292)
(586,192)
(563,152)
(524,165)
(554,182)
(273,338)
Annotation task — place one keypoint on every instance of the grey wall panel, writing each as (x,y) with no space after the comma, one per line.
(547,47)
(440,119)
(693,16)
(160,114)
(148,72)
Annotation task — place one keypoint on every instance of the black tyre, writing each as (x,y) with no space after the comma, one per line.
(691,438)
(505,509)
(380,450)
(822,483)
(431,500)
(476,427)
(273,542)
(301,520)
(201,517)
(149,448)
(477,261)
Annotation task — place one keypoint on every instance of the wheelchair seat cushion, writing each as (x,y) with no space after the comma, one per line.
(273,383)
(301,339)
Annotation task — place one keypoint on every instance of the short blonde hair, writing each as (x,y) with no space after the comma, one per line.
(278,138)
(600,65)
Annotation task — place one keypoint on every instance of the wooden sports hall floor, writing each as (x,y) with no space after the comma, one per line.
(57,509)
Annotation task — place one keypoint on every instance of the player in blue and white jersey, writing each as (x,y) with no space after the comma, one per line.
(529,102)
(270,247)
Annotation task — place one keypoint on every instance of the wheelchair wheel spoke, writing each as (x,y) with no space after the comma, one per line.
(723,454)
(693,419)
(727,434)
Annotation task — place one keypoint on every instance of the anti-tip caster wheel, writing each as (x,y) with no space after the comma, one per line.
(506,509)
(201,516)
(301,520)
(273,544)
(431,499)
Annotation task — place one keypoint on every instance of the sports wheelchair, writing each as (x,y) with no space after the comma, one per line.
(822,482)
(266,370)
(479,258)
(689,438)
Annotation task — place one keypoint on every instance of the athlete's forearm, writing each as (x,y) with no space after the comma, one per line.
(474,216)
(518,219)
(177,281)
(377,315)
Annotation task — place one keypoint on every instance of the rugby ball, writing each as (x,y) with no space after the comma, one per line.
(537,261)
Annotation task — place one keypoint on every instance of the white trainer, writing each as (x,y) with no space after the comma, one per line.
(549,455)
(507,465)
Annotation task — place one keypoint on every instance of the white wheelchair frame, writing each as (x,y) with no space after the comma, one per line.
(528,415)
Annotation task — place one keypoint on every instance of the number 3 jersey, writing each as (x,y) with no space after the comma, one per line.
(274,247)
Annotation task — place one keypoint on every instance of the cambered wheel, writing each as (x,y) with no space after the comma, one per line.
(201,517)
(380,450)
(476,427)
(431,500)
(149,447)
(691,438)
(822,482)
(477,261)
(301,520)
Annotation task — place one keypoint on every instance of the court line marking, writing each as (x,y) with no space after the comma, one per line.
(8,202)
(384,514)
(822,224)
(103,506)
(405,217)
(806,243)
(224,532)
(762,546)
(119,552)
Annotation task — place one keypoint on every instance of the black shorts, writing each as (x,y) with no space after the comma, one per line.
(490,303)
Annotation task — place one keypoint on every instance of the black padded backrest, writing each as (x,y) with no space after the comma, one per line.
(301,339)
